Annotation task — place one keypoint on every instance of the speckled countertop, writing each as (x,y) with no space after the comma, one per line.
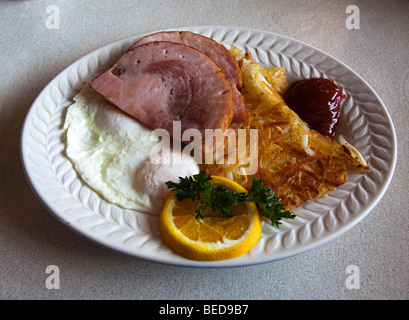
(33,53)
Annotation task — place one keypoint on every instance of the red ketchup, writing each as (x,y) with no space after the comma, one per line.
(317,101)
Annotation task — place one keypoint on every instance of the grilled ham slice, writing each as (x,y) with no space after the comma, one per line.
(161,82)
(215,51)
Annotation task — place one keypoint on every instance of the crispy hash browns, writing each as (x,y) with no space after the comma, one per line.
(296,162)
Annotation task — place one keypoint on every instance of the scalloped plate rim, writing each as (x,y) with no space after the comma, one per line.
(176,260)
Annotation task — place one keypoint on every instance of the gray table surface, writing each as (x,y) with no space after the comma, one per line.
(32,54)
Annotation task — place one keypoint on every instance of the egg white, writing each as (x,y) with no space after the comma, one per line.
(111,152)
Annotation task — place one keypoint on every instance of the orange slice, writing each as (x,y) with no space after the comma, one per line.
(215,237)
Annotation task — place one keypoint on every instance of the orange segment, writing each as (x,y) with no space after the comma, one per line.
(215,237)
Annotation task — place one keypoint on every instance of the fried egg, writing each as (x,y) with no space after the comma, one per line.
(111,152)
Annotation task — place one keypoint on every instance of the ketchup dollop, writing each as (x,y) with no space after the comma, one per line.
(317,101)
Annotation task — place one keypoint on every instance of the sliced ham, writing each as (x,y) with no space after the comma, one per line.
(215,51)
(161,82)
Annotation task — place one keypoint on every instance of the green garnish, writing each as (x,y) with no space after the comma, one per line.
(222,199)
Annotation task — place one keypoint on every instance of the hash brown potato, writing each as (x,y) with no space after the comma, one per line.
(296,162)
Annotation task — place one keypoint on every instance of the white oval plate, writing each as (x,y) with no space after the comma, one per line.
(365,123)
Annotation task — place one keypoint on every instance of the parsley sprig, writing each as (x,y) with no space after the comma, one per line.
(220,198)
